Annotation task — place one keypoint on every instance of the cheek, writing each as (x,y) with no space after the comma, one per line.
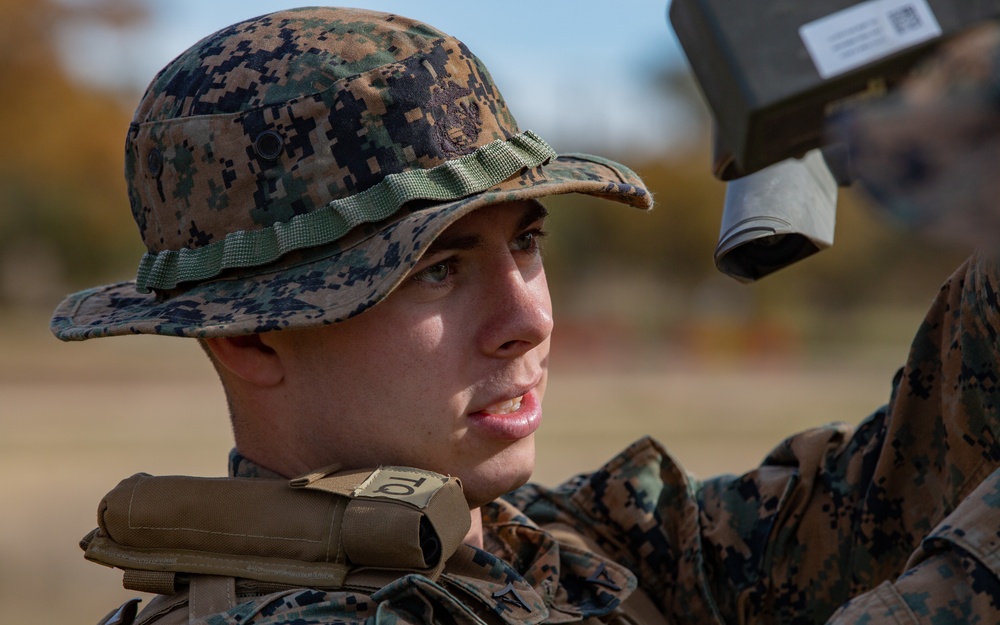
(412,365)
(540,389)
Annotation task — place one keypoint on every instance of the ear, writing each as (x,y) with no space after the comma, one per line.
(249,358)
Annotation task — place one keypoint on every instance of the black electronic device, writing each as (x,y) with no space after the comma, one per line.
(773,73)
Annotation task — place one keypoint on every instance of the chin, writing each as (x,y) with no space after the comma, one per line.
(500,474)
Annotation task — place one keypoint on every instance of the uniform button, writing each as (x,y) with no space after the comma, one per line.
(154,163)
(268,145)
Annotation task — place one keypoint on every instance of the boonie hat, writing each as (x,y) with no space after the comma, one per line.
(289,171)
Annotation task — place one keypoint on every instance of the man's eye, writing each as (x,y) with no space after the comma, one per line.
(526,241)
(435,273)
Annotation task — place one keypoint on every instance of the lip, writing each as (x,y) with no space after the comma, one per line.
(512,426)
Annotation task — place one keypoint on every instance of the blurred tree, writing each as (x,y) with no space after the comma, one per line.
(666,251)
(64,213)
(63,209)
(666,256)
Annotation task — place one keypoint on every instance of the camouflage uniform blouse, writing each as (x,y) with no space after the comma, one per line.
(896,520)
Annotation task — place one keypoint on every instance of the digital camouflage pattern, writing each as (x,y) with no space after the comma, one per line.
(895,520)
(927,152)
(290,169)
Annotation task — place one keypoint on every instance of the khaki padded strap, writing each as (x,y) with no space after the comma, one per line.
(364,522)
(311,532)
(156,582)
(210,594)
(426,510)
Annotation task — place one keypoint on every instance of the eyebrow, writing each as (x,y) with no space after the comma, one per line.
(532,213)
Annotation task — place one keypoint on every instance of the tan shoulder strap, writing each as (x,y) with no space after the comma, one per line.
(428,520)
(309,532)
(210,594)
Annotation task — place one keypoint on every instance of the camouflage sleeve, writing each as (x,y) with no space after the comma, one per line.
(952,578)
(831,513)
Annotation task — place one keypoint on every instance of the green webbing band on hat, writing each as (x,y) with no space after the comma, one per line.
(475,172)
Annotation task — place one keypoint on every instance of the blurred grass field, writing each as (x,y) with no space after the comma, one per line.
(77,418)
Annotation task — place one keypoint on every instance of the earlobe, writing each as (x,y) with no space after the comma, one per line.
(249,358)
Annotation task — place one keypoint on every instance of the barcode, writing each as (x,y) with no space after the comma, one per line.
(905,19)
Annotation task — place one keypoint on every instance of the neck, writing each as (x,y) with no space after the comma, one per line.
(475,536)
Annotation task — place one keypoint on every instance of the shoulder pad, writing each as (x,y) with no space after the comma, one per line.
(311,531)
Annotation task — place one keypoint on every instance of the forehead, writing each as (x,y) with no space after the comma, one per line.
(510,216)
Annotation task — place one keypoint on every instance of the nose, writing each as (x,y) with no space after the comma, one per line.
(518,311)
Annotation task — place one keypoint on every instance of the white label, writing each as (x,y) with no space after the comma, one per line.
(867,32)
(404,484)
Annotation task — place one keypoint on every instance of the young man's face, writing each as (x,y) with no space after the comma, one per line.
(448,372)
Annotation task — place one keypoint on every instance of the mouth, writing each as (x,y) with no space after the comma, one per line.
(510,419)
(504,407)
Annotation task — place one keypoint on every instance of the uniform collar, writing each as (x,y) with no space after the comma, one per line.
(241,466)
(529,576)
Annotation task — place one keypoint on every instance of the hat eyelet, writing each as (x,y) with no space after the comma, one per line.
(154,163)
(268,145)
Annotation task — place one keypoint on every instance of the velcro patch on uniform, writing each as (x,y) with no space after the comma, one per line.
(407,485)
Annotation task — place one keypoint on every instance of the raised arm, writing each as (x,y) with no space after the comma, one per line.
(833,512)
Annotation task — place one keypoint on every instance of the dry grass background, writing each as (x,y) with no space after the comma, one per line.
(76,418)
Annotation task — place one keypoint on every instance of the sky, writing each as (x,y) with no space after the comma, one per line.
(578,72)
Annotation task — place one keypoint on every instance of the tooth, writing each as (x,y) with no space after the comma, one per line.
(506,407)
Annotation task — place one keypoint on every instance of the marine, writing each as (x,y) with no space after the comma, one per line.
(339,207)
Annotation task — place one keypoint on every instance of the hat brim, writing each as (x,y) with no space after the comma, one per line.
(330,284)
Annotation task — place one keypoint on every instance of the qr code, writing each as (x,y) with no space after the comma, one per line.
(904,19)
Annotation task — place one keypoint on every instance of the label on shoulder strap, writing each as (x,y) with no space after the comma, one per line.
(411,486)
